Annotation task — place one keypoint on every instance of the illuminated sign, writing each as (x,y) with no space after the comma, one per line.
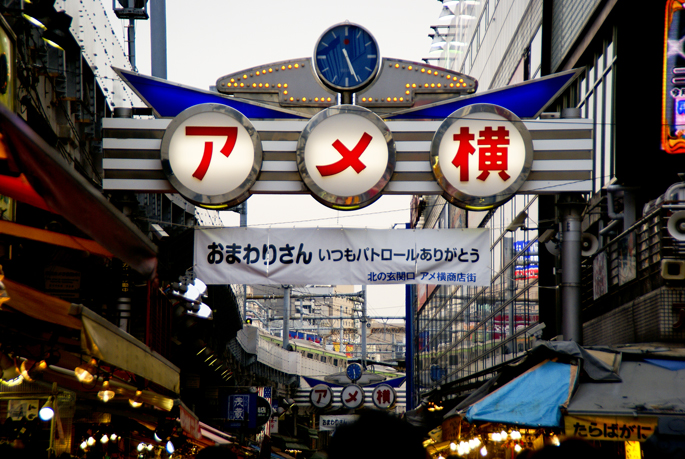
(321,396)
(352,396)
(346,156)
(673,97)
(384,396)
(481,155)
(211,155)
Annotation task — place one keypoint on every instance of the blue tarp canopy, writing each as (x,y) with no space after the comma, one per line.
(532,399)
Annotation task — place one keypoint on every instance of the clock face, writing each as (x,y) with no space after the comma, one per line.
(346,57)
(354,371)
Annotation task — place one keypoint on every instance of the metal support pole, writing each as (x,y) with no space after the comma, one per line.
(341,329)
(243,224)
(286,316)
(158,38)
(132,43)
(571,206)
(363,323)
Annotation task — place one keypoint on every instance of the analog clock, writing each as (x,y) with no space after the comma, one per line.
(354,371)
(346,57)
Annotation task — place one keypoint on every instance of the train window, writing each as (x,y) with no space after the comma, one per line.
(310,355)
(335,362)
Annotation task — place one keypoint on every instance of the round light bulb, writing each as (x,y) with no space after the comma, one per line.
(90,441)
(170,447)
(517,448)
(84,445)
(104,439)
(453,446)
(113,437)
(46,413)
(483,451)
(141,446)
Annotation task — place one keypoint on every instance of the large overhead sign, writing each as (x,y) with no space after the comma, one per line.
(342,256)
(347,127)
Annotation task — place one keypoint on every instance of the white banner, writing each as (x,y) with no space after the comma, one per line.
(342,256)
(331,421)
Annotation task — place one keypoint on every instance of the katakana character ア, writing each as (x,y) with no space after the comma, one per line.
(215,255)
(493,156)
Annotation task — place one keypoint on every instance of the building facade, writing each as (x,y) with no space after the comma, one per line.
(461,336)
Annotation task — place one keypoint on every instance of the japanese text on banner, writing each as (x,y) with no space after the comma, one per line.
(342,256)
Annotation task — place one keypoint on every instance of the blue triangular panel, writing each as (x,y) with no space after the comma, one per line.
(169,99)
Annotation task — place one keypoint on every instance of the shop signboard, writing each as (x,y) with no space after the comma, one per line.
(321,396)
(346,156)
(481,155)
(242,411)
(342,256)
(611,428)
(384,396)
(189,423)
(352,396)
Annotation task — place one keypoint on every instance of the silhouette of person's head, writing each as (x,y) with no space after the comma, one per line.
(376,434)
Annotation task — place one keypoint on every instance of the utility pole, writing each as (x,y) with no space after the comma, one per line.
(286,316)
(363,322)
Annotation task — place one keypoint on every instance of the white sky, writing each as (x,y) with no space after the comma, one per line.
(207,39)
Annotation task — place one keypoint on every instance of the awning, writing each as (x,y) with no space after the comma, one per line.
(648,388)
(99,338)
(50,237)
(534,398)
(41,177)
(215,435)
(104,341)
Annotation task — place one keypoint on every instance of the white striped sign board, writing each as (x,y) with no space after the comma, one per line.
(562,156)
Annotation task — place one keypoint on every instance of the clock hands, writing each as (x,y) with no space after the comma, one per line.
(349,63)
